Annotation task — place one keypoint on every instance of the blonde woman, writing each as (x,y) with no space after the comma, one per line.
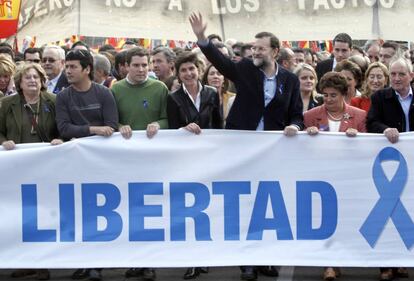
(376,78)
(7,69)
(308,80)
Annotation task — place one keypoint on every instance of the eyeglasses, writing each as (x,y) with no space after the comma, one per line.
(33,60)
(51,60)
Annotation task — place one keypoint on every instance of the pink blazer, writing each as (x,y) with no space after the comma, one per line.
(353,118)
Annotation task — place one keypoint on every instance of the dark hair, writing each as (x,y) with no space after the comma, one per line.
(351,67)
(65,49)
(391,44)
(80,43)
(128,42)
(169,82)
(5,44)
(274,41)
(136,51)
(7,50)
(106,47)
(334,80)
(204,80)
(344,38)
(178,51)
(359,49)
(363,63)
(298,50)
(244,48)
(186,57)
(84,57)
(120,59)
(18,57)
(32,51)
(221,45)
(214,36)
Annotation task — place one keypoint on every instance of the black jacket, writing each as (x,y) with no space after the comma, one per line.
(324,67)
(61,84)
(181,110)
(386,112)
(248,107)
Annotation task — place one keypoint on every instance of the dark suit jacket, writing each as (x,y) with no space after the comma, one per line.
(386,112)
(181,110)
(11,117)
(322,68)
(61,84)
(248,107)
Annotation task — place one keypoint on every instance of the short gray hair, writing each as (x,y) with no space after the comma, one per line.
(167,52)
(403,61)
(59,50)
(100,62)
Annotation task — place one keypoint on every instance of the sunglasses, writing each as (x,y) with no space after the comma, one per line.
(51,60)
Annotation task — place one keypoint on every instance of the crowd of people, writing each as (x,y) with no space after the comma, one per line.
(53,95)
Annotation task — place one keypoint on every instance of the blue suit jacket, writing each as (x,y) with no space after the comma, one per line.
(248,107)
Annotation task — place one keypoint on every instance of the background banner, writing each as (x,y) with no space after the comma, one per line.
(290,20)
(217,199)
(9,14)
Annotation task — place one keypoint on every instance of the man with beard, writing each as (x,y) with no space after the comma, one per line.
(268,96)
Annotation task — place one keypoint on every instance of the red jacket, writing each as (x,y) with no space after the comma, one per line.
(353,118)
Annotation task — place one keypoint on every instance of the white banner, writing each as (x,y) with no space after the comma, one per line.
(54,20)
(220,198)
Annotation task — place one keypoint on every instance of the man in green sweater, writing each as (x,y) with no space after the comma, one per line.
(141,101)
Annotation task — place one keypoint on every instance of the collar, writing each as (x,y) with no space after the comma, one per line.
(54,80)
(409,95)
(135,84)
(334,64)
(200,87)
(273,77)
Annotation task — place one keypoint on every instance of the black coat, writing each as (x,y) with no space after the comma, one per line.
(61,84)
(248,107)
(181,110)
(386,112)
(324,67)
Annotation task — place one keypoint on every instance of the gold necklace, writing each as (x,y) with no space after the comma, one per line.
(333,118)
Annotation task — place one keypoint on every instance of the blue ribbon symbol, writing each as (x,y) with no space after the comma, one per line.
(389,204)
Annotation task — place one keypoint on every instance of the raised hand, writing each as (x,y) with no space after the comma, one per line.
(199,27)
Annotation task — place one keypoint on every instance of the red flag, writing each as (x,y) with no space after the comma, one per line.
(9,17)
(303,44)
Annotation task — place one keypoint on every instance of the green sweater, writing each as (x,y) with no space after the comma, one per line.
(140,105)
